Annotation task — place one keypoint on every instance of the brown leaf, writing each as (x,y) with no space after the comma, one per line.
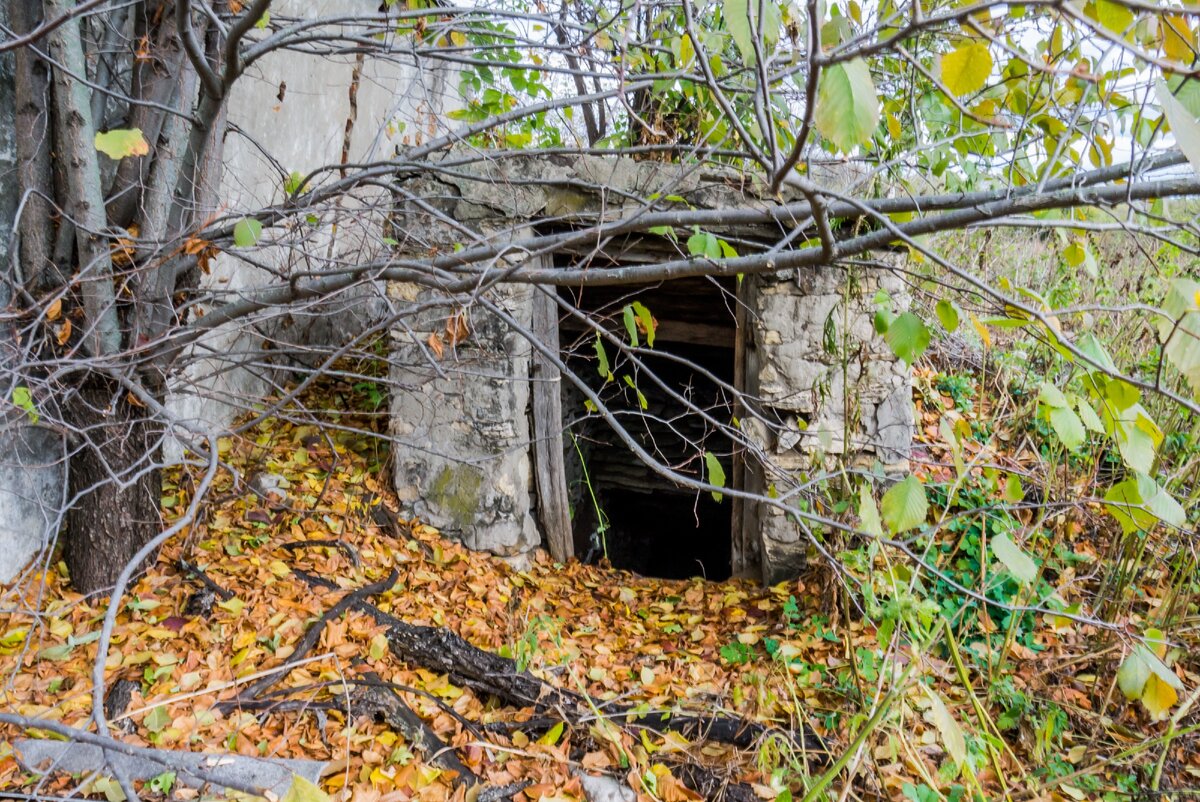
(435,345)
(457,330)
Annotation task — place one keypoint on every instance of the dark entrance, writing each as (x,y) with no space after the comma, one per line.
(644,521)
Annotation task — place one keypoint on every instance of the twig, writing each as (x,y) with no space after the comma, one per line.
(354,598)
(204,578)
(342,545)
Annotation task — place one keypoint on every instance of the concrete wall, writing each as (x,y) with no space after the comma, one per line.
(291,112)
(828,386)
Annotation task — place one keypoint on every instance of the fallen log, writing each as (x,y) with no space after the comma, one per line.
(445,652)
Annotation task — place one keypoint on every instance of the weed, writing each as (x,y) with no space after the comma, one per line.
(961,390)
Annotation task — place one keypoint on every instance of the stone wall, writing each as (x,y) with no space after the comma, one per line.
(459,419)
(827,386)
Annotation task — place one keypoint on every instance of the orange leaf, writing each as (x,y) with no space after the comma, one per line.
(54,310)
(435,345)
(63,333)
(456,328)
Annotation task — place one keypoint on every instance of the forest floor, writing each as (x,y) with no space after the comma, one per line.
(1032,713)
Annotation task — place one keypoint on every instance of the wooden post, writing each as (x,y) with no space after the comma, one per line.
(549,471)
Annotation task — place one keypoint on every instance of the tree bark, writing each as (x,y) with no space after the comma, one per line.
(33,154)
(85,201)
(115,485)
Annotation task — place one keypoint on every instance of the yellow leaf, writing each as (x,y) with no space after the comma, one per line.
(379,647)
(122,142)
(279,568)
(1158,697)
(158,633)
(967,69)
(982,330)
(1178,41)
(301,790)
(552,735)
(458,38)
(647,675)
(233,605)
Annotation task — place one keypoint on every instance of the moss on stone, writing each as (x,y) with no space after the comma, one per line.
(456,492)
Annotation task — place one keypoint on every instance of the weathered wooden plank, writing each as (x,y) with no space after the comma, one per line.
(549,471)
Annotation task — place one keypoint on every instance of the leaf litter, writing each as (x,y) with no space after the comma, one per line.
(226,605)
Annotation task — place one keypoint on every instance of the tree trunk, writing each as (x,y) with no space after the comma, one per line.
(115,485)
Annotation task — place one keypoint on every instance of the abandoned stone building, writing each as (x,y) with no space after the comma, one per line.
(755,381)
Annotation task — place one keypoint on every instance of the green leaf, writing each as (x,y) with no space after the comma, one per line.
(122,142)
(1010,555)
(630,325)
(1051,396)
(59,652)
(868,513)
(847,106)
(1139,504)
(1133,673)
(303,790)
(294,184)
(1137,436)
(1183,125)
(947,313)
(702,243)
(953,739)
(904,505)
(602,355)
(1112,15)
(1181,329)
(378,647)
(157,719)
(647,320)
(908,337)
(163,783)
(716,474)
(1068,427)
(741,20)
(1013,492)
(966,70)
(1089,417)
(246,232)
(642,401)
(22,398)
(1092,348)
(737,22)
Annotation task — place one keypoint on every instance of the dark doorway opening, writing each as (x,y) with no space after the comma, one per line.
(644,521)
